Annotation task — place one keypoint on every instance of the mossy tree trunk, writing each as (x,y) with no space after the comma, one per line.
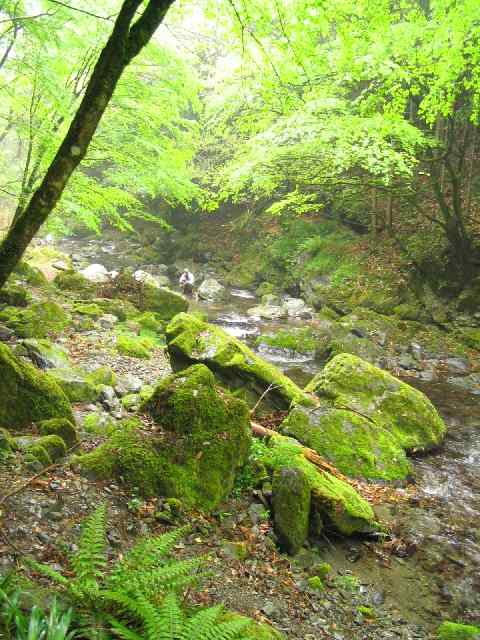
(128,37)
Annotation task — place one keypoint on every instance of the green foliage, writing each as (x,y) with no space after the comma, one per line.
(143,570)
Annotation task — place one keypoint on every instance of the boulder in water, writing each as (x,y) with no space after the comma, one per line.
(191,340)
(211,290)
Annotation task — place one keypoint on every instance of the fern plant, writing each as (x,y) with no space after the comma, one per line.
(168,621)
(95,588)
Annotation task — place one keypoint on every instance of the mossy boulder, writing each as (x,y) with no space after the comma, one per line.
(204,438)
(29,274)
(351,384)
(28,395)
(334,503)
(291,507)
(39,320)
(75,281)
(43,353)
(89,309)
(44,257)
(255,630)
(366,420)
(7,443)
(455,631)
(162,301)
(354,444)
(191,340)
(150,320)
(122,309)
(75,384)
(60,427)
(15,295)
(471,337)
(134,346)
(102,375)
(46,449)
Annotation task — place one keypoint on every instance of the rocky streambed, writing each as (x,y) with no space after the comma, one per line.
(427,569)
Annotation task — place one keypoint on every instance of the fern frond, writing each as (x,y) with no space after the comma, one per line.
(172,576)
(169,620)
(90,561)
(48,572)
(148,553)
(229,630)
(122,631)
(201,625)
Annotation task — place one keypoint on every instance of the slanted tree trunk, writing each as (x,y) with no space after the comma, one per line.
(127,39)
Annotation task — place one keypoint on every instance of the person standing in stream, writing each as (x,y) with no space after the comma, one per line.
(187,280)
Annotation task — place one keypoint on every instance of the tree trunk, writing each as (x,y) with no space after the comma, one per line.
(124,43)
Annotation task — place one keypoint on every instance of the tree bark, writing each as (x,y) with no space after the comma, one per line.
(125,42)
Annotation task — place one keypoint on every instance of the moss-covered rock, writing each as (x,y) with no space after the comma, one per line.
(28,395)
(150,320)
(205,437)
(102,375)
(75,384)
(7,443)
(335,503)
(29,274)
(39,320)
(75,281)
(60,427)
(134,346)
(162,301)
(44,257)
(47,449)
(43,353)
(354,385)
(471,337)
(255,630)
(90,309)
(355,445)
(291,507)
(454,631)
(122,309)
(191,340)
(15,295)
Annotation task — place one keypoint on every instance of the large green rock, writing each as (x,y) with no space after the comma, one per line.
(75,281)
(27,395)
(204,437)
(43,353)
(356,386)
(291,507)
(191,340)
(164,302)
(366,420)
(454,631)
(39,320)
(75,384)
(335,503)
(355,445)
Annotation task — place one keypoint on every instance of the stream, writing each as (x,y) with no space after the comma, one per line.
(436,573)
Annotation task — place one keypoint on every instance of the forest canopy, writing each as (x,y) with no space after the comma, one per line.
(368,111)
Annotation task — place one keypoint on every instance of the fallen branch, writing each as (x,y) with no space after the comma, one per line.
(270,387)
(310,454)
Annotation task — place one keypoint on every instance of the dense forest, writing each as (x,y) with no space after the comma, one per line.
(239,319)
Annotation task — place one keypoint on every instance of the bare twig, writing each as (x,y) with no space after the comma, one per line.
(270,387)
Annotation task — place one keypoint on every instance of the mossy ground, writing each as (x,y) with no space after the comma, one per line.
(456,631)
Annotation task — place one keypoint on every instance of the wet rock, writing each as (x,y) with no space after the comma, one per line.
(457,365)
(211,290)
(297,308)
(96,273)
(470,383)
